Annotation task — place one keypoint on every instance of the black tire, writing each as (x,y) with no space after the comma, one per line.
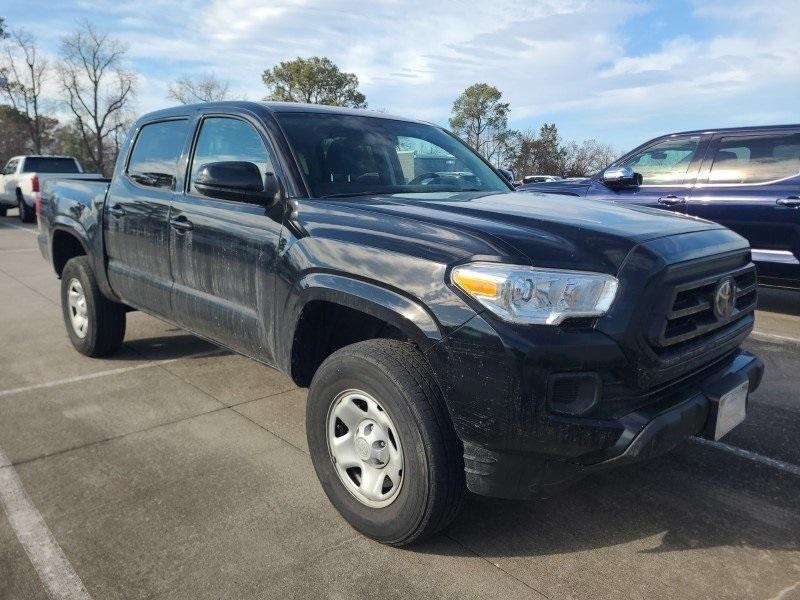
(106,319)
(3,210)
(433,489)
(26,214)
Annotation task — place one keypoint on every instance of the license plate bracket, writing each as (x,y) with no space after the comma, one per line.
(727,408)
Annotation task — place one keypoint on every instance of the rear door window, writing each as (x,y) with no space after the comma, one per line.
(755,159)
(154,160)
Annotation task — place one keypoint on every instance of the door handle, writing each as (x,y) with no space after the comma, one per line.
(116,211)
(181,224)
(672,200)
(790,202)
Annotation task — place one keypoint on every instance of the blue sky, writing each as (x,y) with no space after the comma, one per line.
(620,71)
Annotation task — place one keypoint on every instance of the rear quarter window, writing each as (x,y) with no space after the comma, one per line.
(154,159)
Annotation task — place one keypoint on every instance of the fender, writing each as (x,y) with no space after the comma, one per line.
(399,311)
(92,245)
(75,229)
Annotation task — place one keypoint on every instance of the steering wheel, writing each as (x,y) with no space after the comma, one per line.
(420,178)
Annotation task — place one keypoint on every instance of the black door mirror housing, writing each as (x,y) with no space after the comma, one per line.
(507,173)
(621,177)
(237,180)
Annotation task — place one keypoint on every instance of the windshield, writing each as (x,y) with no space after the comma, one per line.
(342,155)
(47,164)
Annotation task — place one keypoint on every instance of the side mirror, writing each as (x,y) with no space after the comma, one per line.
(237,180)
(621,177)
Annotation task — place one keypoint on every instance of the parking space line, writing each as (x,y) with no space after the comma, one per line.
(54,569)
(76,378)
(755,457)
(20,227)
(784,593)
(771,337)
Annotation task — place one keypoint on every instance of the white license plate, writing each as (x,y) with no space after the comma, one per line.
(732,409)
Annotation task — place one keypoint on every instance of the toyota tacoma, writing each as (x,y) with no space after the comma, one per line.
(453,335)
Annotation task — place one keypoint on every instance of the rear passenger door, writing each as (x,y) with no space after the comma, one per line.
(136,219)
(224,251)
(750,182)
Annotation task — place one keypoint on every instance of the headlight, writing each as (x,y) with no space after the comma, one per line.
(542,296)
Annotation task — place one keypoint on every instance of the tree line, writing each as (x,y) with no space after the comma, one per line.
(480,117)
(97,92)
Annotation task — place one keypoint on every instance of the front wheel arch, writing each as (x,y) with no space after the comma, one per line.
(366,310)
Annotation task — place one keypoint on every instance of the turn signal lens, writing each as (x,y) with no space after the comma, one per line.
(475,283)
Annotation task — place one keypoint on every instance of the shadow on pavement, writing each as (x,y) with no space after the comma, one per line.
(693,498)
(779,301)
(167,347)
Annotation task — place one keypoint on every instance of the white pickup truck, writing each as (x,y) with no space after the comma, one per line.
(23,177)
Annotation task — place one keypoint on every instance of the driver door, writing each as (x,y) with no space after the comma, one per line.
(668,168)
(224,251)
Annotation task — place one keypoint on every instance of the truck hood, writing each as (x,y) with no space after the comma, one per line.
(546,230)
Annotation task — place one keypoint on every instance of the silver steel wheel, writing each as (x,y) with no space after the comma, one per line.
(78,313)
(365,448)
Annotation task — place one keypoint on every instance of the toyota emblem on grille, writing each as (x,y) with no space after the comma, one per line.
(725,298)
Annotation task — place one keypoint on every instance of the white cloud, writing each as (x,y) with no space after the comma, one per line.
(569,59)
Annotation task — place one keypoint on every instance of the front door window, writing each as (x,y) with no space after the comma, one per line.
(666,162)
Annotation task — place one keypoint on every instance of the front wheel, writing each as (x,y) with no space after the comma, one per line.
(382,443)
(95,324)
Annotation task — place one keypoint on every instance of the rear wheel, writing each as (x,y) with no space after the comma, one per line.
(382,443)
(26,213)
(95,325)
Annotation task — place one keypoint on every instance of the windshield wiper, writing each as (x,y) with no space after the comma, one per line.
(349,194)
(386,193)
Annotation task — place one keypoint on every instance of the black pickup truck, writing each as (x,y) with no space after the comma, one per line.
(453,335)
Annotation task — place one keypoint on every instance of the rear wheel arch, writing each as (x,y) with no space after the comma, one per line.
(64,246)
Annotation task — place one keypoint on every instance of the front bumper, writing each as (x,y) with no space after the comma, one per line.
(645,433)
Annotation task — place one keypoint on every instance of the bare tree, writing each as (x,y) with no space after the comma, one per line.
(205,88)
(587,158)
(24,72)
(98,90)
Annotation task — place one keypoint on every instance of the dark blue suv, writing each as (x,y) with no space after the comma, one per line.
(747,179)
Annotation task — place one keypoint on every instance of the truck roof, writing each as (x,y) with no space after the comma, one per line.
(275,107)
(733,129)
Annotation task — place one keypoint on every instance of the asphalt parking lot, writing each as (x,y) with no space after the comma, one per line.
(178,470)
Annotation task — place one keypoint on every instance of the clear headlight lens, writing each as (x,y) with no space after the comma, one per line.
(536,296)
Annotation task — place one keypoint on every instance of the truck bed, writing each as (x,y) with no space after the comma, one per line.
(74,203)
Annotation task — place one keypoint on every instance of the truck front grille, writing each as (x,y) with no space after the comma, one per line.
(692,316)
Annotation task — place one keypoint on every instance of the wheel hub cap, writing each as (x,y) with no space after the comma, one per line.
(370,441)
(365,448)
(78,311)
